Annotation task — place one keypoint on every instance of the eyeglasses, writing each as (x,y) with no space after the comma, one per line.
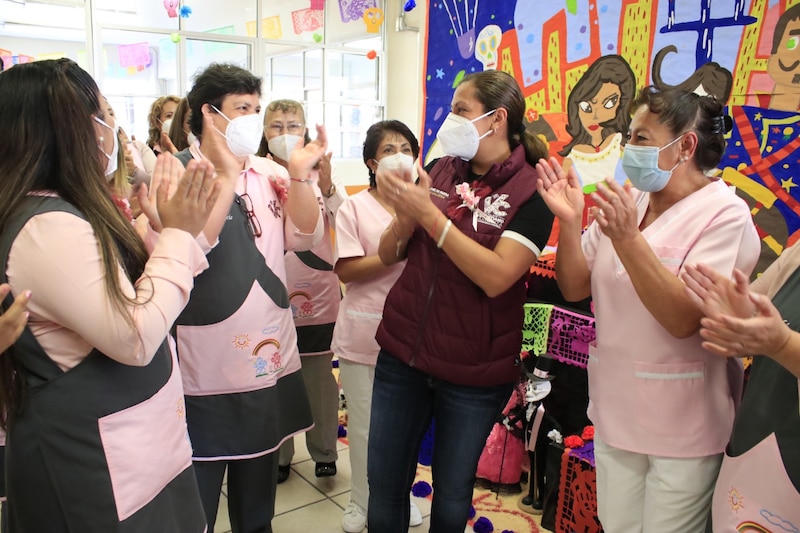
(293,128)
(246,204)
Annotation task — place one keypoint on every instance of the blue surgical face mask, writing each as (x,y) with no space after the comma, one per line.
(640,163)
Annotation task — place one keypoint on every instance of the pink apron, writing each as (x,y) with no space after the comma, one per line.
(754,493)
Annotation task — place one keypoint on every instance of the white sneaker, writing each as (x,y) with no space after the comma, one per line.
(355,519)
(415,517)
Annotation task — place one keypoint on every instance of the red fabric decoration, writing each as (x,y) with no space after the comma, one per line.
(577,497)
(123,205)
(573,441)
(457,207)
(588,433)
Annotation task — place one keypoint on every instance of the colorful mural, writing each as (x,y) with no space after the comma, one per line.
(578,61)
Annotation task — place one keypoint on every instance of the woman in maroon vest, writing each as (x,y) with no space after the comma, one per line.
(451,330)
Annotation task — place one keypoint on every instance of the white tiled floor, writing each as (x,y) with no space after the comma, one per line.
(306,503)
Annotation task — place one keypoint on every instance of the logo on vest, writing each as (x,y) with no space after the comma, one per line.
(493,213)
(275,207)
(438,193)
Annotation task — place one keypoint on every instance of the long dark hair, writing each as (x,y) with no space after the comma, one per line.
(494,89)
(48,143)
(176,133)
(607,69)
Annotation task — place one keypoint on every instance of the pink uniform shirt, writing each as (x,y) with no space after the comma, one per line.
(650,392)
(56,256)
(359,225)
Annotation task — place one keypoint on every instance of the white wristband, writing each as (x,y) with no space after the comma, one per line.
(444,233)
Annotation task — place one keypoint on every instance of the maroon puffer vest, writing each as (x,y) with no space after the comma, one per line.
(435,318)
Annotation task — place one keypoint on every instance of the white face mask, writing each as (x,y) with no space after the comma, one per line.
(459,137)
(400,163)
(111,166)
(282,146)
(191,138)
(243,133)
(166,125)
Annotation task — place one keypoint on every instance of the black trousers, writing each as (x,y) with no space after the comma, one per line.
(251,491)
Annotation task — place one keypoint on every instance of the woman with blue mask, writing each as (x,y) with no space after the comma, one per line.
(470,229)
(662,406)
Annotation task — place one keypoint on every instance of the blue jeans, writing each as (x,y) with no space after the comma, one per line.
(403,402)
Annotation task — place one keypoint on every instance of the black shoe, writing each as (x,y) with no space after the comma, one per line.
(283,473)
(325,469)
(537,504)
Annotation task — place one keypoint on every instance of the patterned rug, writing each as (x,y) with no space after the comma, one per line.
(500,511)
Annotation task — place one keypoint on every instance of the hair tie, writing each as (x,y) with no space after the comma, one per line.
(721,124)
(522,129)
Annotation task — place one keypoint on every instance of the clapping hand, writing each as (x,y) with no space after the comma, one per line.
(184,198)
(189,207)
(562,192)
(304,157)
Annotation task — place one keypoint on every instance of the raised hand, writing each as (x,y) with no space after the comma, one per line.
(716,295)
(616,212)
(562,192)
(13,321)
(168,169)
(410,201)
(191,204)
(764,333)
(166,144)
(304,157)
(325,181)
(215,148)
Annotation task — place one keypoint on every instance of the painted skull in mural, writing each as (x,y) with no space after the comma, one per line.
(486,46)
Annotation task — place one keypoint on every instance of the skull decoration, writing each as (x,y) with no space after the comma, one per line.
(373,17)
(172,8)
(486,47)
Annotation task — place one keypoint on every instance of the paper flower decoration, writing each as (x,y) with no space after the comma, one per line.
(555,436)
(410,4)
(472,511)
(573,441)
(174,37)
(421,489)
(185,12)
(372,54)
(483,525)
(588,433)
